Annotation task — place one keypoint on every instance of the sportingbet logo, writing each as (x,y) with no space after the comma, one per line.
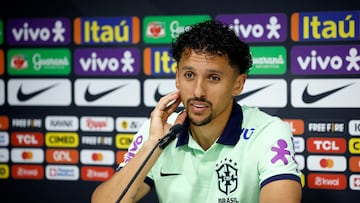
(341,59)
(162,29)
(107,30)
(271,27)
(38,31)
(325,26)
(325,93)
(107,61)
(159,62)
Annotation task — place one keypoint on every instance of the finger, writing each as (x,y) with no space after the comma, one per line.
(169,101)
(181,117)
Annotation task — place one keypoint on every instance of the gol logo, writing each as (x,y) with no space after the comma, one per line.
(69,156)
(354,163)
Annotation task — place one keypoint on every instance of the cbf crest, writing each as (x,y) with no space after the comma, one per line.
(227,174)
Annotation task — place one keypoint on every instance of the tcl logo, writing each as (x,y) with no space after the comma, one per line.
(326,145)
(68,156)
(34,139)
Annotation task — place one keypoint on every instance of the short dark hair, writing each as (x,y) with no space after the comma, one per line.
(215,38)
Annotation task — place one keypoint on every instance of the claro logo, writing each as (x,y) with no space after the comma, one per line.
(61,139)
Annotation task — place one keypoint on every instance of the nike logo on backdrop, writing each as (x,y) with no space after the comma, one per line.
(309,98)
(27,96)
(157,95)
(242,96)
(92,97)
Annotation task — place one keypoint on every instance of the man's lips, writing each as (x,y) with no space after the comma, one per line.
(198,106)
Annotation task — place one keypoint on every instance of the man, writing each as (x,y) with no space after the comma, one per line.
(225,152)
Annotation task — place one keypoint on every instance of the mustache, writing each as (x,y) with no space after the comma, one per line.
(198,100)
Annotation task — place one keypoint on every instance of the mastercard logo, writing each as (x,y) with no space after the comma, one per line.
(27,155)
(327,163)
(97,157)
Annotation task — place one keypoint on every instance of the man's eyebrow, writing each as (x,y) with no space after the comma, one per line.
(209,70)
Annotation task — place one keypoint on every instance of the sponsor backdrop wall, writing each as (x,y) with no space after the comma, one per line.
(78,78)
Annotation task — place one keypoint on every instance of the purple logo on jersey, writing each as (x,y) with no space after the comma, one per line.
(136,144)
(37,31)
(340,59)
(281,152)
(106,61)
(257,27)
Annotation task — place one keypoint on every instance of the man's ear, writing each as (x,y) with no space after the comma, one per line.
(239,84)
(177,79)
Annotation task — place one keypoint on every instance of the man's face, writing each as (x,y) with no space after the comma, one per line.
(207,85)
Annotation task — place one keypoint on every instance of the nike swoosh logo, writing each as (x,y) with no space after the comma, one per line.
(157,95)
(27,96)
(242,96)
(92,97)
(308,98)
(162,174)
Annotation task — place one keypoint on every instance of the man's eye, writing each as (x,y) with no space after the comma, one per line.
(189,75)
(214,77)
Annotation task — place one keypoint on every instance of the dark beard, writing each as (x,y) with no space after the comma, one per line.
(204,121)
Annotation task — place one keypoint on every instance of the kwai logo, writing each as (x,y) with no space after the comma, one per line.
(38,31)
(325,26)
(162,29)
(107,61)
(257,27)
(341,59)
(107,30)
